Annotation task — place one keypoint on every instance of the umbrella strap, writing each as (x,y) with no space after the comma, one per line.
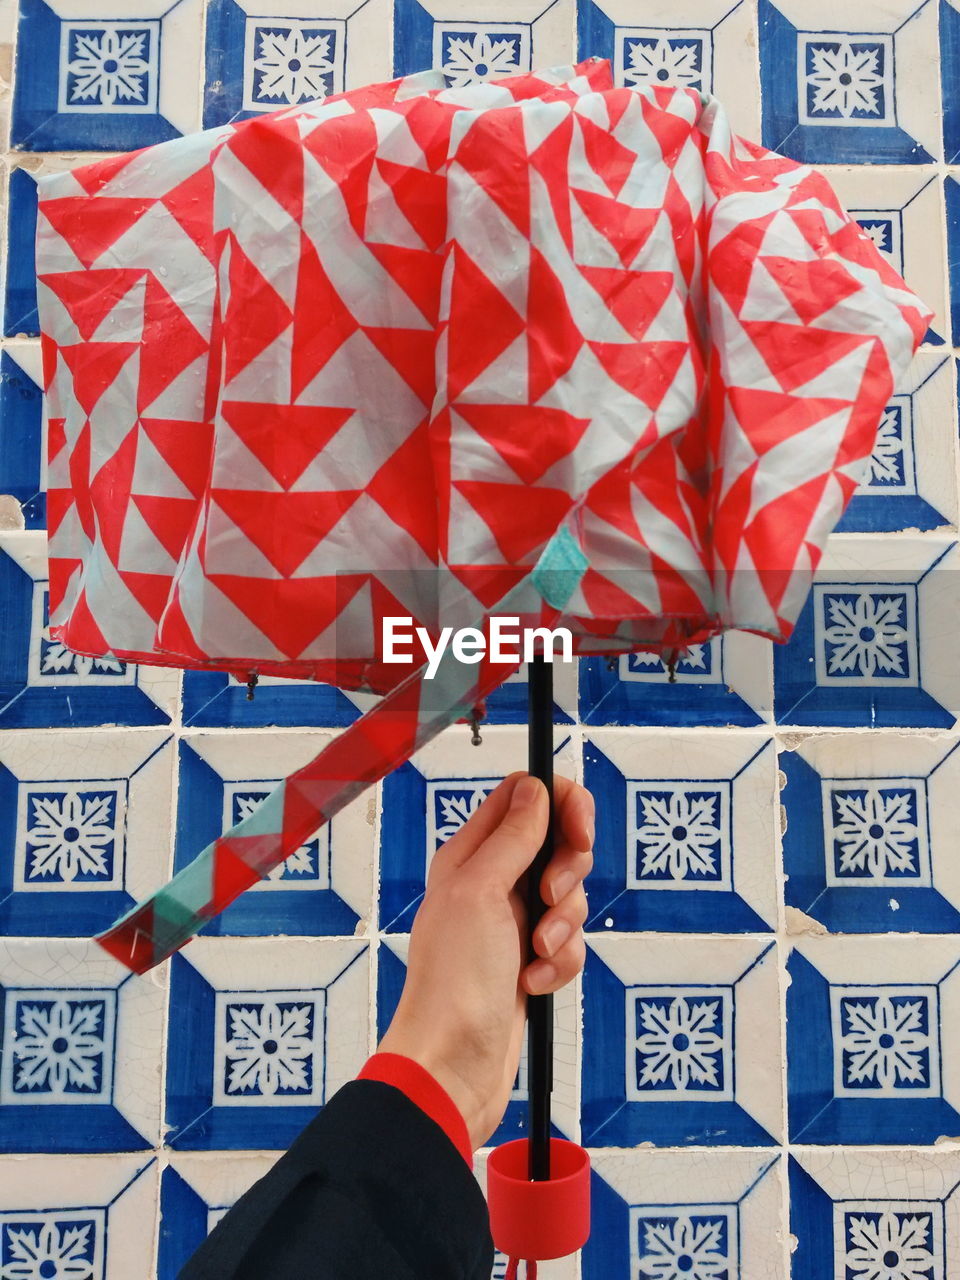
(404,720)
(512,1271)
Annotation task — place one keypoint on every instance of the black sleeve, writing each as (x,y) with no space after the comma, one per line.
(373,1189)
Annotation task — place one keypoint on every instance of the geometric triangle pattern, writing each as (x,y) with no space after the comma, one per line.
(386,351)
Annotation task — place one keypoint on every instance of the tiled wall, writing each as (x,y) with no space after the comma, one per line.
(777,1088)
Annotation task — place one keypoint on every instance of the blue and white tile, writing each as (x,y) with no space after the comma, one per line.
(213,699)
(483,41)
(195,1193)
(911,480)
(890,1214)
(508,704)
(700,1027)
(326,886)
(678,1214)
(952,194)
(870,823)
(854,87)
(728,681)
(902,211)
(21,430)
(112,83)
(391,974)
(81,1038)
(85,821)
(260,1037)
(43,685)
(685,827)
(707,45)
(20,282)
(429,798)
(950,78)
(68,1218)
(872,1035)
(262,55)
(874,644)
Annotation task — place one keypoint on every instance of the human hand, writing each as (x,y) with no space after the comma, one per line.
(462,1011)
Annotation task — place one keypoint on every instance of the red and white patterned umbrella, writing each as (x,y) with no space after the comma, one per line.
(542,347)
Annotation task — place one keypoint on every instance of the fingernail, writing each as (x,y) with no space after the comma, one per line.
(524,792)
(591,831)
(542,975)
(563,884)
(555,935)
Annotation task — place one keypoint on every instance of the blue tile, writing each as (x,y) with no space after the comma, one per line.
(183,1224)
(950,78)
(88,85)
(297,897)
(679,1088)
(856,658)
(829,97)
(648,877)
(466,51)
(246,1070)
(57,1072)
(888,499)
(20,299)
(43,684)
(858,854)
(638,691)
(952,193)
(256,64)
(596,31)
(864,1061)
(21,427)
(66,873)
(213,699)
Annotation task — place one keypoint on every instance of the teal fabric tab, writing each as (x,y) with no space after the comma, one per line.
(557,573)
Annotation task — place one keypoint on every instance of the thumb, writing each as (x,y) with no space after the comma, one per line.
(510,849)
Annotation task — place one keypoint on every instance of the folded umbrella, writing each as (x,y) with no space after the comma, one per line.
(541,347)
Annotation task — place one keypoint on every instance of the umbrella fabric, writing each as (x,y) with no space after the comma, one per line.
(542,347)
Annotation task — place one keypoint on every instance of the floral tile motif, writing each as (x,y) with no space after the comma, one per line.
(80,1062)
(725,682)
(870,1025)
(910,479)
(869,832)
(111,84)
(21,427)
(65,1221)
(195,1193)
(85,842)
(262,55)
(681,1013)
(902,211)
(845,1225)
(713,1215)
(850,95)
(684,829)
(391,974)
(870,645)
(324,888)
(708,46)
(260,1037)
(478,47)
(430,797)
(44,685)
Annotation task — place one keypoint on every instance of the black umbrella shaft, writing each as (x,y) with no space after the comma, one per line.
(540,1008)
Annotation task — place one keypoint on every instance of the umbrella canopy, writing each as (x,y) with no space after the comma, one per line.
(542,348)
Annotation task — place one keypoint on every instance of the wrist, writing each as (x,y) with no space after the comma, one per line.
(437,1065)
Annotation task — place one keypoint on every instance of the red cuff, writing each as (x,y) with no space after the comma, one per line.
(423,1091)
